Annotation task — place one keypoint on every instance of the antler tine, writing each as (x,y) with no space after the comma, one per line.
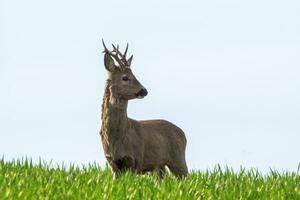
(105,49)
(117,49)
(123,57)
(126,51)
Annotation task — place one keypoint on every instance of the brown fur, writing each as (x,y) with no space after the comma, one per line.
(139,146)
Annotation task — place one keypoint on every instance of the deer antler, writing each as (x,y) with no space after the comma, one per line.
(122,61)
(123,57)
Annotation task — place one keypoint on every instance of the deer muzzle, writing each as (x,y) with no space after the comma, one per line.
(142,93)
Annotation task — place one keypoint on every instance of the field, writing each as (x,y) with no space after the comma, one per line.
(25,180)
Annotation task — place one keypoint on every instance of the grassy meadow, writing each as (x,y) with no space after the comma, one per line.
(25,180)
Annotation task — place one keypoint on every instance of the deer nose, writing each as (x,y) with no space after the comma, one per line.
(143,92)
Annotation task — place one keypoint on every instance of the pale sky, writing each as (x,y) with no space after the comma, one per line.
(226,72)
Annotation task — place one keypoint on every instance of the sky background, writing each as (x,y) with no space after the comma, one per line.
(226,72)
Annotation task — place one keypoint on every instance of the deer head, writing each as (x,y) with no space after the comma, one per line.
(124,84)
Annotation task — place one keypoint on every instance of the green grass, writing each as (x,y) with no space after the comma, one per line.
(25,180)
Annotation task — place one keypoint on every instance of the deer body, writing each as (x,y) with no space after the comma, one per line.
(128,144)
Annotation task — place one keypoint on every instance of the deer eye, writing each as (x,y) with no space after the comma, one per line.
(125,78)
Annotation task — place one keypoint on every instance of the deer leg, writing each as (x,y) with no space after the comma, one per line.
(114,168)
(179,169)
(160,171)
(125,163)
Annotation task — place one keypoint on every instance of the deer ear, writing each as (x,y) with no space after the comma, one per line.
(129,60)
(109,62)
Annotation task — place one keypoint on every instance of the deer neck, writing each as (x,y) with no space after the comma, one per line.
(114,118)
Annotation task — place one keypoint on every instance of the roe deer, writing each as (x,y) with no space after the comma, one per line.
(139,146)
